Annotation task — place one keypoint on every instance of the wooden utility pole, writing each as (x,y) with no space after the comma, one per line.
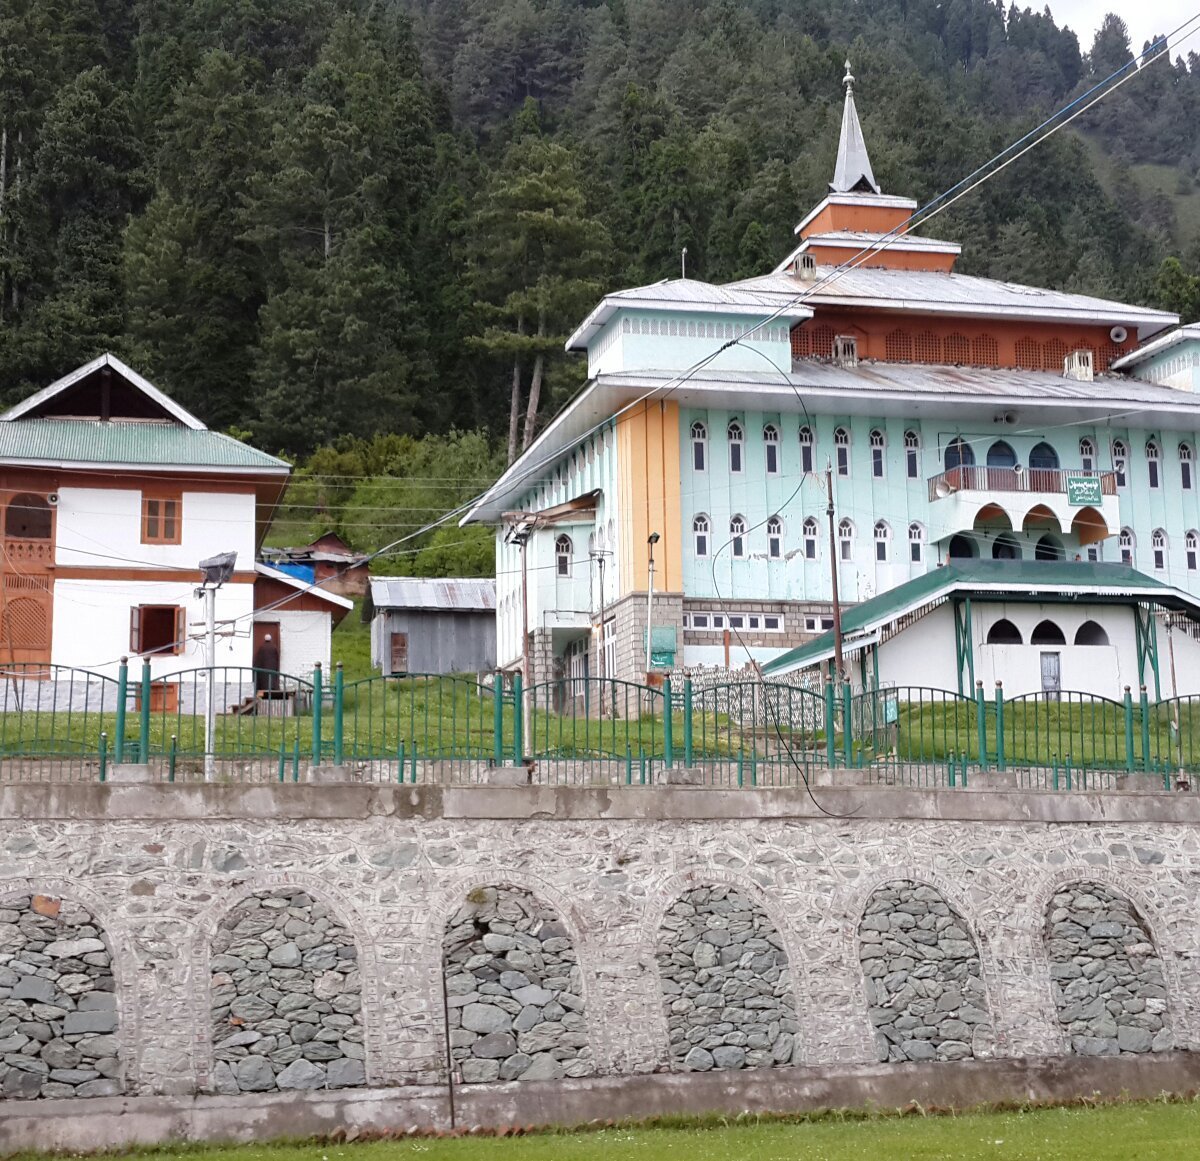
(833,577)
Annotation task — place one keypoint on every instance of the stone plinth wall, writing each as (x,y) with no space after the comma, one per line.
(514,991)
(58,1011)
(286,997)
(725,981)
(1107,979)
(924,980)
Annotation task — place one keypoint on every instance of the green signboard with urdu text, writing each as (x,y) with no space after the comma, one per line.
(1083,490)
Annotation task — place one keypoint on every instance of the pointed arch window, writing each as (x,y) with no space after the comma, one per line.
(774,538)
(1087,454)
(737,537)
(878,444)
(700,534)
(1191,543)
(1127,545)
(883,536)
(841,443)
(736,442)
(771,448)
(1158,545)
(959,454)
(699,446)
(1185,466)
(810,538)
(846,539)
(1152,457)
(912,454)
(1120,459)
(562,555)
(806,449)
(916,543)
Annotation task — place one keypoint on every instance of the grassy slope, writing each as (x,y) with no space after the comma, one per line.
(1147,1132)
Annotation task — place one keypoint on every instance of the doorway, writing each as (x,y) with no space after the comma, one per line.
(398,653)
(1051,674)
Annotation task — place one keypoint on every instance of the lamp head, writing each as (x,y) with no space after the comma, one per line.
(216,570)
(653,538)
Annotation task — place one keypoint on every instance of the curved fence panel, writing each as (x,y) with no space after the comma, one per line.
(1172,741)
(913,735)
(1064,740)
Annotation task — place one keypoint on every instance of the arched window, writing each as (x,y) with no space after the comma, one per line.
(841,443)
(877,446)
(1090,633)
(1006,547)
(912,454)
(774,538)
(771,448)
(1047,633)
(1158,544)
(1043,456)
(916,543)
(735,446)
(1120,458)
(1152,473)
(1049,547)
(883,534)
(591,544)
(700,534)
(810,539)
(1185,466)
(1190,544)
(806,449)
(562,555)
(1004,632)
(961,548)
(1127,545)
(699,446)
(1001,455)
(959,454)
(1087,454)
(27,517)
(846,539)
(737,537)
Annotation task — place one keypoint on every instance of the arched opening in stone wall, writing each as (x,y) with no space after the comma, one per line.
(924,980)
(726,983)
(286,997)
(1105,975)
(60,1034)
(514,990)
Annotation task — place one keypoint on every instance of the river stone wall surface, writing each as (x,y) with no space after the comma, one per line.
(1106,977)
(514,991)
(58,1009)
(286,998)
(727,991)
(923,976)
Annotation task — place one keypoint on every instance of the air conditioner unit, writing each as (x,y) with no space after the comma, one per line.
(1078,365)
(1118,334)
(805,267)
(845,350)
(52,499)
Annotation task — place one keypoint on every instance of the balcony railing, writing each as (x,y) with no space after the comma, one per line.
(980,478)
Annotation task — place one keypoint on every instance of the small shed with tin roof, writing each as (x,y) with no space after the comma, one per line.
(432,625)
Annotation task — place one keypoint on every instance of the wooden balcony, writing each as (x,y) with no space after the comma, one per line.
(1045,481)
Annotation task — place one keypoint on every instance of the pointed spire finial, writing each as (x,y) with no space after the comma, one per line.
(852,174)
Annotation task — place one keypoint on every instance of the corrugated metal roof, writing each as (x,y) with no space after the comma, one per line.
(1189,333)
(84,441)
(462,594)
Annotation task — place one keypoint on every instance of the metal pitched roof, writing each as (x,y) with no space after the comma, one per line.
(457,594)
(1191,332)
(1000,579)
(302,587)
(853,168)
(128,443)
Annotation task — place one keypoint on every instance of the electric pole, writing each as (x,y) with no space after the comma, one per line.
(833,577)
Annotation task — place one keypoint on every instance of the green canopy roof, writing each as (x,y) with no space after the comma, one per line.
(998,579)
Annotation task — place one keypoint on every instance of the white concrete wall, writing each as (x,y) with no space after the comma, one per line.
(102,528)
(922,655)
(304,639)
(91,623)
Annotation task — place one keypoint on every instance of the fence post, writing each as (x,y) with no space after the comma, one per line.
(668,726)
(847,729)
(980,728)
(122,699)
(171,763)
(339,694)
(830,726)
(1145,730)
(1000,726)
(688,749)
(318,698)
(1129,758)
(497,721)
(103,756)
(518,723)
(144,716)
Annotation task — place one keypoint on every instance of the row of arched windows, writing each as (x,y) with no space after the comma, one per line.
(702,530)
(1004,632)
(1158,547)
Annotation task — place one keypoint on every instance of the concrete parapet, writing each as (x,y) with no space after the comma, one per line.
(131,772)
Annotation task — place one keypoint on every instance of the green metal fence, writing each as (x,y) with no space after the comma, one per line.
(67,724)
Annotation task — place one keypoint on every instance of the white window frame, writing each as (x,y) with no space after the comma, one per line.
(841,451)
(771,449)
(699,446)
(737,536)
(700,534)
(846,539)
(811,543)
(1087,454)
(1120,460)
(1153,465)
(564,550)
(737,448)
(774,538)
(1158,545)
(912,455)
(1186,472)
(878,458)
(1128,545)
(1191,547)
(883,537)
(807,446)
(916,543)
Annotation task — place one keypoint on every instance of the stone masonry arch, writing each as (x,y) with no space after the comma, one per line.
(923,976)
(515,998)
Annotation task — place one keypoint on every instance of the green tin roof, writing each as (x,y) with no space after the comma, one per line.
(116,442)
(999,579)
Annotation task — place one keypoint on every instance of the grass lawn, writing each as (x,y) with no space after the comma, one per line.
(1124,1132)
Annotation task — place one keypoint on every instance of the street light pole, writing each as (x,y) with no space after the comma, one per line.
(651,541)
(215,571)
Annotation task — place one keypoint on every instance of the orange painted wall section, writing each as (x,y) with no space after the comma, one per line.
(876,219)
(896,337)
(890,259)
(649,473)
